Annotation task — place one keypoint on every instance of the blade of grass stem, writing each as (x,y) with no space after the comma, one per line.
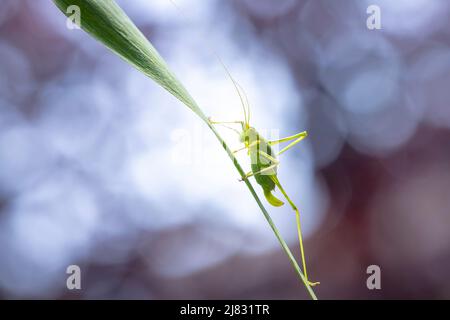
(106,21)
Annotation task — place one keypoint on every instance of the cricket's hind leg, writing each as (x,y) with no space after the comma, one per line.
(299,229)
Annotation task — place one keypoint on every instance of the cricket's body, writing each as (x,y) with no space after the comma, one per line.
(258,163)
(263,163)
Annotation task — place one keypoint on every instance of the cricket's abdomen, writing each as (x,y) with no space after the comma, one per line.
(260,162)
(262,157)
(264,179)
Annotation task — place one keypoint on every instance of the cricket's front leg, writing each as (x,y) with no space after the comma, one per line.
(254,143)
(274,164)
(223,122)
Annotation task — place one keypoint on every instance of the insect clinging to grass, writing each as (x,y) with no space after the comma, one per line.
(264,161)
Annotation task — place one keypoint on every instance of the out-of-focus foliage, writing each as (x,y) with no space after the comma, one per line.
(87,168)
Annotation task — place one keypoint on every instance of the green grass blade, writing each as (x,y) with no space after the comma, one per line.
(106,21)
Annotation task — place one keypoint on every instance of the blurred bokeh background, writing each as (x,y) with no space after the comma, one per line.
(101,168)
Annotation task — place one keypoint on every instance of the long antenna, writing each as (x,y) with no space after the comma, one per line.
(236,86)
(247,103)
(240,91)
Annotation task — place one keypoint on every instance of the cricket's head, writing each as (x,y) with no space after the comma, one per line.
(248,135)
(245,124)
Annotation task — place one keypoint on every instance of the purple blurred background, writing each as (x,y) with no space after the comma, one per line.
(101,168)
